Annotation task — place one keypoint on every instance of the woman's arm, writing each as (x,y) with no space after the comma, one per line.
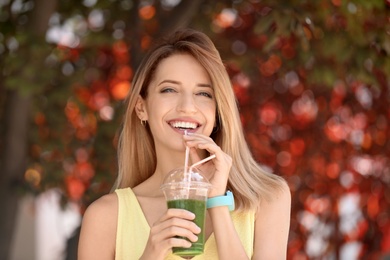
(98,229)
(228,242)
(272,226)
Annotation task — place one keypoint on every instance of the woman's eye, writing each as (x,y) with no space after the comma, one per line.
(206,94)
(167,90)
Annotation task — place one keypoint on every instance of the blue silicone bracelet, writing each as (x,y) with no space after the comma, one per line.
(227,200)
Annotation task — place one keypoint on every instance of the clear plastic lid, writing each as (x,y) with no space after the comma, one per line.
(193,178)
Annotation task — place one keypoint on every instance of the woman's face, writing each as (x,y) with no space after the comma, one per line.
(180,97)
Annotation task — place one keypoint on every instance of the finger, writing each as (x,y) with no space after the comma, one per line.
(180,218)
(162,240)
(177,242)
(182,224)
(179,213)
(212,148)
(176,231)
(174,227)
(203,143)
(196,137)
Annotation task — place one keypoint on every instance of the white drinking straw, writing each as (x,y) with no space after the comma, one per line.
(202,161)
(186,174)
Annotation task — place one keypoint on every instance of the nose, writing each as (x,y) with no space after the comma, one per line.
(187,104)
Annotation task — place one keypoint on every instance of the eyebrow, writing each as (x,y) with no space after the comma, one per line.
(168,81)
(178,83)
(204,85)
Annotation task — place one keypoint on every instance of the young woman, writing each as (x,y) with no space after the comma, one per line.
(182,85)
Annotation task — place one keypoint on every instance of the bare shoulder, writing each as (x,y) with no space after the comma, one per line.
(106,203)
(98,229)
(282,195)
(279,203)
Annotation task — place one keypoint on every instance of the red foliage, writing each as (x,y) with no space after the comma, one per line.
(75,188)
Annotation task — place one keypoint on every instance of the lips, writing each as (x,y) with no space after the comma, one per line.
(184,125)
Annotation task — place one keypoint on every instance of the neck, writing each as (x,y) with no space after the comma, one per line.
(168,159)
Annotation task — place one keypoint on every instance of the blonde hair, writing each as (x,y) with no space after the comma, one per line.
(136,154)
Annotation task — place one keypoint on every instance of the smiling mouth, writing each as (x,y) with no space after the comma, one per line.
(184,125)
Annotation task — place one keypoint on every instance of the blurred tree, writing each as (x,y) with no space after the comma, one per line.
(311,79)
(22,71)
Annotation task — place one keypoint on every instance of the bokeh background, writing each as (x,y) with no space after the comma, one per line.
(312,80)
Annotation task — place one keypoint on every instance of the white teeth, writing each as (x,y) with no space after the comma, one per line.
(184,125)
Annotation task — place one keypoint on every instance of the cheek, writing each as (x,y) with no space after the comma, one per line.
(211,115)
(213,112)
(157,110)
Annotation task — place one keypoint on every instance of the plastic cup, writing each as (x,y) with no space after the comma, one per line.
(188,191)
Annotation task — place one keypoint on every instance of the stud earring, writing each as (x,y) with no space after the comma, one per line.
(143,122)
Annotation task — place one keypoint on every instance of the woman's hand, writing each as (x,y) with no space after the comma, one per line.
(217,169)
(167,232)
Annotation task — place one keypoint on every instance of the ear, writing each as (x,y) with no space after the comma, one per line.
(140,109)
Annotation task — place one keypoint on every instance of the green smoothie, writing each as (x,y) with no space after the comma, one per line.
(197,207)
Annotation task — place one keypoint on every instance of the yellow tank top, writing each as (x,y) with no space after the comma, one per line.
(133,231)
